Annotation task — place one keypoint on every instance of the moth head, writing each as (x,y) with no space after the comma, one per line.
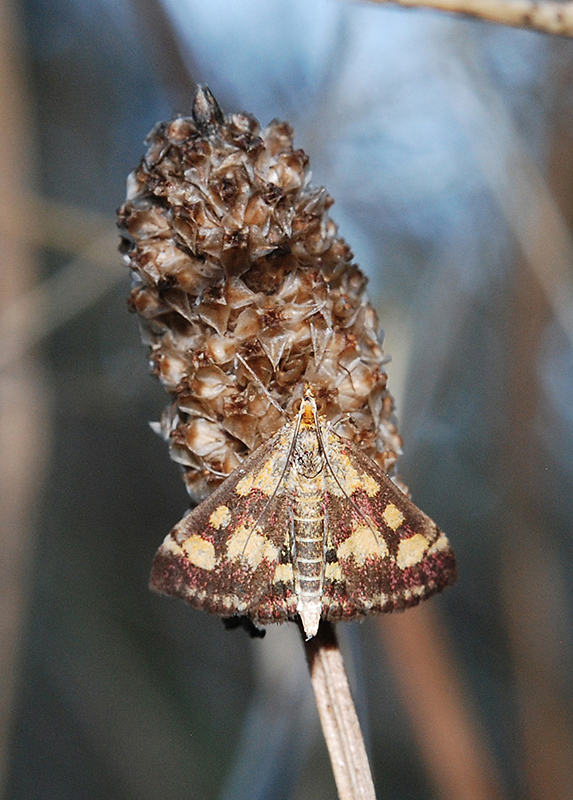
(308,410)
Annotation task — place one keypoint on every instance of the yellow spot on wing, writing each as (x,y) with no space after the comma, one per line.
(363,543)
(245,485)
(220,517)
(333,571)
(441,543)
(283,573)
(199,552)
(247,544)
(392,516)
(171,546)
(370,486)
(264,480)
(348,477)
(411,551)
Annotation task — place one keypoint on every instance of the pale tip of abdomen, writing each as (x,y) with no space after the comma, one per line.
(310,613)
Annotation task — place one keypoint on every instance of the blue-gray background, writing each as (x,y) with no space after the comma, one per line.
(444,142)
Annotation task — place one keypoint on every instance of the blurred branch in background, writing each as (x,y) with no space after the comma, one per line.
(165,51)
(531,575)
(281,719)
(445,724)
(57,226)
(535,594)
(38,222)
(515,181)
(545,17)
(24,421)
(87,235)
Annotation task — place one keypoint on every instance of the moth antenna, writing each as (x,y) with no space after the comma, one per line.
(340,420)
(348,374)
(255,377)
(318,363)
(279,482)
(215,472)
(341,487)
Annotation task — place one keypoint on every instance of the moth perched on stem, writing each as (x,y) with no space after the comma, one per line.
(307,526)
(251,303)
(253,310)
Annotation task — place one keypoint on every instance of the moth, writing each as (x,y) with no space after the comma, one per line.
(307,526)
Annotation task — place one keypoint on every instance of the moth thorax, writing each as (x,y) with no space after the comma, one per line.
(307,456)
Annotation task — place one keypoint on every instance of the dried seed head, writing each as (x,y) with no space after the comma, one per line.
(246,293)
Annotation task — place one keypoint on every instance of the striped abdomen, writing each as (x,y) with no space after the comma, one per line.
(308,556)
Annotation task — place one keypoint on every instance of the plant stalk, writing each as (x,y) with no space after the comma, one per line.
(338,716)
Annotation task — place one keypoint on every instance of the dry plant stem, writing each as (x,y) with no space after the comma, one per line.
(338,716)
(545,17)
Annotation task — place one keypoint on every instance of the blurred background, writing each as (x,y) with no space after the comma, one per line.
(448,147)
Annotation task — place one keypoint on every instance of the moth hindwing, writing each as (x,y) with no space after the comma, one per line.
(308,525)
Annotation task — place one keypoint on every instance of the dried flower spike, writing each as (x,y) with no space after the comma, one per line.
(260,329)
(246,292)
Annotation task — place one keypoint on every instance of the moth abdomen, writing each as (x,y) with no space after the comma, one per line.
(308,561)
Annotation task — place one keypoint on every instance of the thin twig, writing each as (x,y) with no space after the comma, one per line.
(545,17)
(338,716)
(93,271)
(50,223)
(59,298)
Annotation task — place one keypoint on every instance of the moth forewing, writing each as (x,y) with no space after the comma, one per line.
(390,555)
(308,525)
(223,555)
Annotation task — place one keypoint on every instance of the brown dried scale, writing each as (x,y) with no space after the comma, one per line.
(246,293)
